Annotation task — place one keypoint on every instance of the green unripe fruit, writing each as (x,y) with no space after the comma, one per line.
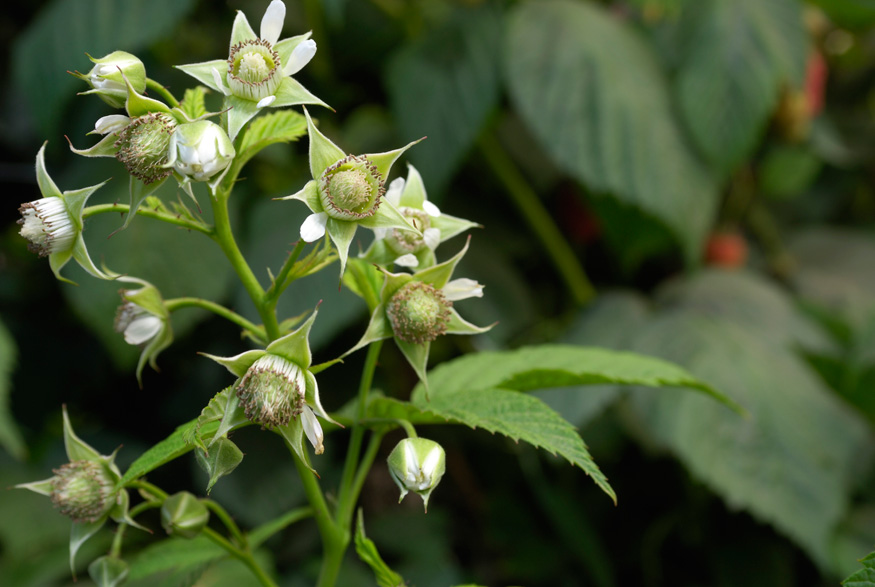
(418,313)
(81,490)
(272,391)
(143,146)
(351,189)
(403,242)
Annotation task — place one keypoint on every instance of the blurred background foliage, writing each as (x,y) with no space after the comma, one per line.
(687,179)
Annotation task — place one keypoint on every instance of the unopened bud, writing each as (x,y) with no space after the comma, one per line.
(200,150)
(184,515)
(107,77)
(417,465)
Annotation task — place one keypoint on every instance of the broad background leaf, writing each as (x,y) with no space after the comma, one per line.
(10,437)
(739,54)
(65,30)
(444,87)
(594,96)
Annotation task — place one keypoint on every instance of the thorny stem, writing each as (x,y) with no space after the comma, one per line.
(539,219)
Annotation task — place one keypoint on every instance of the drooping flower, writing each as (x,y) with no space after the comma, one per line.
(417,465)
(144,321)
(200,151)
(107,77)
(407,248)
(258,70)
(277,390)
(416,309)
(53,225)
(346,191)
(84,489)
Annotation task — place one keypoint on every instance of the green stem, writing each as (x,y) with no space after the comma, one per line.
(257,536)
(148,488)
(366,463)
(116,548)
(243,556)
(408,427)
(163,216)
(227,521)
(532,209)
(279,283)
(176,303)
(335,538)
(347,497)
(165,93)
(225,238)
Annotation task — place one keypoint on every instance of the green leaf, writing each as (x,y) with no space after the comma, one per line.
(558,365)
(787,171)
(10,437)
(444,87)
(175,554)
(520,417)
(172,447)
(222,458)
(367,551)
(282,126)
(740,54)
(64,30)
(593,95)
(865,577)
(193,102)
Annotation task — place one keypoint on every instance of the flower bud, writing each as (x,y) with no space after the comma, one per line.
(107,77)
(47,225)
(418,313)
(200,150)
(272,391)
(351,189)
(81,490)
(138,325)
(417,465)
(143,146)
(184,515)
(108,571)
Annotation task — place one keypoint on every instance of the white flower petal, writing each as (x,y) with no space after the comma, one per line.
(312,429)
(462,289)
(393,193)
(431,209)
(272,21)
(432,237)
(220,83)
(380,233)
(313,227)
(408,260)
(429,466)
(143,329)
(300,57)
(111,123)
(266,101)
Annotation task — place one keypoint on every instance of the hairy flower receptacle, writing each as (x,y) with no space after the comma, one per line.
(418,313)
(351,189)
(272,391)
(405,242)
(143,146)
(81,490)
(47,226)
(254,70)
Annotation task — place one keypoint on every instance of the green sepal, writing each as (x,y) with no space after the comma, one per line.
(311,396)
(241,31)
(285,47)
(46,185)
(76,448)
(139,191)
(309,194)
(378,328)
(223,407)
(292,93)
(293,434)
(417,356)
(295,346)
(147,297)
(43,487)
(341,233)
(138,105)
(222,458)
(241,112)
(108,571)
(440,274)
(152,350)
(238,364)
(323,153)
(387,216)
(104,148)
(458,325)
(80,254)
(203,72)
(120,513)
(79,533)
(384,161)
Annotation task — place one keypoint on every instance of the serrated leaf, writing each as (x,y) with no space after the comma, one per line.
(367,551)
(281,126)
(444,87)
(64,30)
(520,417)
(593,94)
(10,437)
(558,365)
(193,102)
(739,55)
(865,577)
